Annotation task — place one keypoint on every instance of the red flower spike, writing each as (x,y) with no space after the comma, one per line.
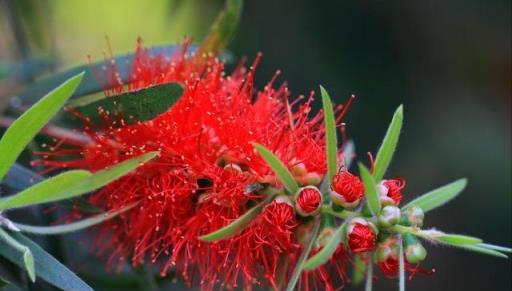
(361,236)
(198,183)
(346,190)
(308,201)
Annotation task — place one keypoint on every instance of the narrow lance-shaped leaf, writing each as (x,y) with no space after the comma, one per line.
(20,178)
(136,106)
(457,239)
(44,190)
(72,227)
(299,266)
(48,268)
(439,196)
(68,185)
(388,146)
(330,136)
(28,260)
(495,247)
(278,167)
(479,249)
(21,132)
(237,225)
(326,252)
(370,190)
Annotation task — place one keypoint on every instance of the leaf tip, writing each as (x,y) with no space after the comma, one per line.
(28,259)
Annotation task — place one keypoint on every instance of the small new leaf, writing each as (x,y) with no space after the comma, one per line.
(21,132)
(237,225)
(388,147)
(457,239)
(370,190)
(326,252)
(278,167)
(330,136)
(439,196)
(299,266)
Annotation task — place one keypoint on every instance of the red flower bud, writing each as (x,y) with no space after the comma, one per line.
(393,189)
(361,236)
(308,201)
(346,190)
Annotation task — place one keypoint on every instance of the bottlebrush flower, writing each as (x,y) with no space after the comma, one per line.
(308,201)
(361,236)
(199,182)
(346,189)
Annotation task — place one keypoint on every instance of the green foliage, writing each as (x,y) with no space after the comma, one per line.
(388,147)
(237,225)
(21,132)
(370,190)
(135,106)
(299,266)
(325,254)
(279,168)
(439,196)
(330,136)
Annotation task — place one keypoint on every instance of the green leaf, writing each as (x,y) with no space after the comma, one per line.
(358,271)
(479,249)
(21,132)
(330,136)
(401,266)
(72,227)
(45,190)
(439,196)
(223,28)
(326,252)
(299,266)
(237,225)
(495,247)
(48,268)
(135,106)
(457,239)
(28,259)
(72,183)
(370,190)
(279,168)
(388,147)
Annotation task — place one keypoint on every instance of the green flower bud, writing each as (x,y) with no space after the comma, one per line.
(324,237)
(415,253)
(389,216)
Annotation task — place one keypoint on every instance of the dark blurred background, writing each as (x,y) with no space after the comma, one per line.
(448,62)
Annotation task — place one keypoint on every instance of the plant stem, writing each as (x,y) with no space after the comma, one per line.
(369,276)
(401,281)
(343,214)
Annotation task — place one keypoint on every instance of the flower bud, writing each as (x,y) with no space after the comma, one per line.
(361,235)
(389,216)
(414,251)
(413,216)
(299,170)
(308,201)
(386,251)
(346,190)
(391,191)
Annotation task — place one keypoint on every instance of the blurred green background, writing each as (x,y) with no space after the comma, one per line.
(448,62)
